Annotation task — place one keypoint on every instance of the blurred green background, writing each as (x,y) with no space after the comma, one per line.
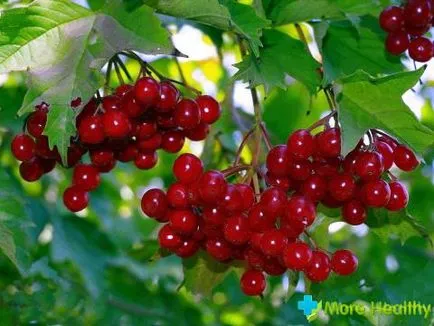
(103,267)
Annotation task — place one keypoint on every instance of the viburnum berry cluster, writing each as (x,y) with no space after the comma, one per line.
(406,26)
(129,125)
(264,221)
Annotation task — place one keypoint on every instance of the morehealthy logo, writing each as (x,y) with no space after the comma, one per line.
(311,307)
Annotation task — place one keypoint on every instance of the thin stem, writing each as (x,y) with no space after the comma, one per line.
(181,73)
(256,186)
(123,67)
(311,240)
(330,99)
(118,73)
(235,169)
(266,136)
(382,133)
(392,176)
(108,73)
(242,145)
(322,121)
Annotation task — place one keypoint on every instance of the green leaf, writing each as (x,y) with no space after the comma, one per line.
(280,55)
(7,244)
(401,225)
(292,11)
(202,273)
(63,47)
(346,49)
(367,102)
(228,15)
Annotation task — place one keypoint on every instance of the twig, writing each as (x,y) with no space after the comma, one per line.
(242,145)
(181,73)
(322,121)
(124,68)
(235,169)
(266,136)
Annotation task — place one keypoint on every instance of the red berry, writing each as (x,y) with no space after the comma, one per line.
(236,230)
(349,164)
(107,167)
(260,219)
(199,133)
(123,89)
(314,187)
(209,108)
(101,157)
(319,267)
(43,150)
(146,161)
(187,249)
(300,211)
(150,144)
(273,242)
(172,141)
(291,230)
(187,168)
(145,130)
(273,266)
(354,212)
(344,262)
(421,49)
(392,19)
(369,165)
(297,256)
(274,201)
(418,13)
(214,216)
(326,167)
(86,177)
(166,121)
(397,42)
(405,159)
(154,203)
(23,147)
(212,187)
(177,196)
(283,183)
(254,258)
(232,201)
(376,193)
(253,283)
(328,142)
(301,144)
(169,96)
(168,239)
(398,196)
(342,187)
(278,161)
(300,170)
(131,106)
(116,124)
(128,154)
(32,170)
(111,103)
(187,114)
(36,123)
(147,92)
(75,153)
(417,31)
(183,221)
(48,165)
(247,195)
(218,248)
(91,130)
(75,198)
(386,153)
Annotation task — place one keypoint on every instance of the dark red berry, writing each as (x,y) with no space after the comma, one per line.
(187,168)
(43,150)
(86,177)
(314,187)
(36,123)
(300,211)
(328,142)
(260,219)
(273,242)
(418,13)
(147,92)
(342,187)
(116,124)
(214,215)
(232,201)
(23,147)
(376,193)
(354,212)
(212,187)
(247,195)
(283,183)
(91,130)
(397,42)
(183,221)
(150,144)
(218,248)
(145,130)
(398,196)
(319,267)
(31,170)
(128,154)
(297,256)
(177,196)
(75,198)
(123,89)
(169,96)
(209,108)
(187,114)
(392,19)
(253,283)
(278,161)
(199,133)
(300,170)
(236,230)
(172,141)
(421,49)
(131,106)
(146,161)
(187,249)
(101,157)
(301,144)
(386,153)
(405,159)
(274,201)
(344,262)
(369,165)
(111,103)
(168,239)
(154,203)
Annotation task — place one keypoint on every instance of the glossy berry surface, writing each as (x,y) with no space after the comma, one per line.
(369,165)
(183,221)
(344,262)
(168,238)
(116,124)
(405,159)
(187,168)
(212,186)
(187,114)
(236,230)
(253,283)
(354,212)
(147,91)
(297,256)
(342,187)
(23,147)
(209,108)
(319,267)
(91,130)
(75,198)
(392,19)
(398,196)
(301,144)
(273,242)
(376,193)
(397,42)
(154,203)
(421,49)
(169,96)
(329,142)
(278,160)
(86,177)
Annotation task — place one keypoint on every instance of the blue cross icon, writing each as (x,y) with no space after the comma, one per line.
(307,305)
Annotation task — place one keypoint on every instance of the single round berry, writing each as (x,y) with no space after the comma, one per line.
(386,153)
(116,124)
(300,170)
(421,49)
(300,211)
(253,283)
(376,193)
(169,96)
(147,92)
(232,201)
(154,204)
(91,130)
(301,144)
(319,267)
(369,166)
(212,187)
(344,262)
(397,42)
(328,142)
(273,266)
(187,168)
(150,144)
(111,103)
(145,130)
(199,133)
(283,183)
(168,239)
(177,196)
(86,177)
(405,159)
(214,216)
(273,242)
(218,248)
(236,230)
(314,187)
(36,123)
(23,147)
(32,170)
(398,196)
(172,141)
(354,212)
(392,19)
(274,201)
(418,13)
(349,163)
(146,161)
(209,108)
(291,230)
(187,249)
(75,198)
(247,195)
(187,114)
(260,219)
(342,187)
(131,106)
(297,256)
(183,221)
(278,161)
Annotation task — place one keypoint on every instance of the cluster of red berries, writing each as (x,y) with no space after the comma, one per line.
(406,26)
(128,126)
